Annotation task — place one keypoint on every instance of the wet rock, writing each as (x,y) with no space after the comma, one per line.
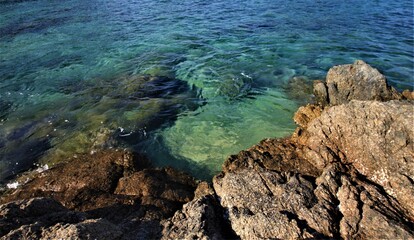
(358,81)
(99,172)
(45,218)
(25,218)
(299,88)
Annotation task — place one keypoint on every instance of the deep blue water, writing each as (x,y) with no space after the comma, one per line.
(71,72)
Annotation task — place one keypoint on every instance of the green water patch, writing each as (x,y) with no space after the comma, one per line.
(99,113)
(201,140)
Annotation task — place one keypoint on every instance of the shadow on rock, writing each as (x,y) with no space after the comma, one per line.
(111,189)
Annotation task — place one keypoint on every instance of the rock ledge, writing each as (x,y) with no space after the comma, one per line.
(347,172)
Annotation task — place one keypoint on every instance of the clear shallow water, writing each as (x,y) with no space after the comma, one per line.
(71,72)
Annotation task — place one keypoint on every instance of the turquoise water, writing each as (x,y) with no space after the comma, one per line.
(74,74)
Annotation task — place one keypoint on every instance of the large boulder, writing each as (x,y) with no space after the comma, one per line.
(358,81)
(376,138)
(345,174)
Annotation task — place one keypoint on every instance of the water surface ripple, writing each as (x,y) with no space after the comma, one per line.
(75,75)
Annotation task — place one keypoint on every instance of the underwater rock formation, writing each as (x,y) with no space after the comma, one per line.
(88,116)
(345,173)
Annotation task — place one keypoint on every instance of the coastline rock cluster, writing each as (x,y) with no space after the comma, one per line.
(347,172)
(102,196)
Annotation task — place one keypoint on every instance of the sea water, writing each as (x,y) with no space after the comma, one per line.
(186,83)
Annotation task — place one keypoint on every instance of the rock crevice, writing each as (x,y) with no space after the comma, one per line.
(345,173)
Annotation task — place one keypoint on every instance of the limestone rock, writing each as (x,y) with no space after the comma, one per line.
(321,92)
(345,173)
(407,94)
(264,204)
(375,137)
(358,81)
(201,218)
(306,114)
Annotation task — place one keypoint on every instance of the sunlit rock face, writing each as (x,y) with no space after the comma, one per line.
(345,173)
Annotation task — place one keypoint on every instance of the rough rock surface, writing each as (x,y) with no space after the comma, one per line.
(359,185)
(358,81)
(347,172)
(376,138)
(201,218)
(117,198)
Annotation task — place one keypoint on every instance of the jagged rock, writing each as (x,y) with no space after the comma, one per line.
(199,219)
(321,92)
(375,137)
(88,229)
(349,188)
(203,189)
(45,218)
(264,204)
(281,155)
(306,114)
(111,188)
(358,81)
(346,173)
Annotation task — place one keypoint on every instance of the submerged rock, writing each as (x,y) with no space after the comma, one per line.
(5,108)
(346,173)
(299,88)
(349,188)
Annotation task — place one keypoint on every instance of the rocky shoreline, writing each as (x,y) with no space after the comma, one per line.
(347,172)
